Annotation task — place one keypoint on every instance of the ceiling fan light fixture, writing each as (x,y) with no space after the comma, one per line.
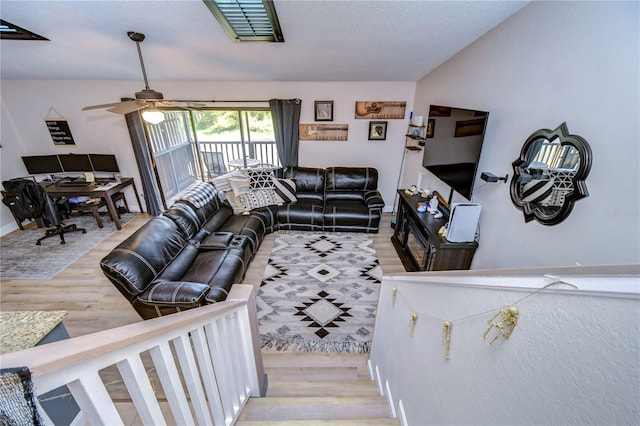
(153,116)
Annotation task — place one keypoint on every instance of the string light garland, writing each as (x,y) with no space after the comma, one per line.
(501,324)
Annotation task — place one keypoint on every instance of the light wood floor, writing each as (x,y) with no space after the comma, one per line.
(94,304)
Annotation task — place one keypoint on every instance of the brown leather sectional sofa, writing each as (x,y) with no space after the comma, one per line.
(197,249)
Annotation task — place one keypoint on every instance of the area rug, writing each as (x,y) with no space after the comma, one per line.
(319,293)
(21,258)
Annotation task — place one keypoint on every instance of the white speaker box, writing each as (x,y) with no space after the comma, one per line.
(463,222)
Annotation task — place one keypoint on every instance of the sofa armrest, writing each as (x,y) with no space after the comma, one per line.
(373,200)
(184,294)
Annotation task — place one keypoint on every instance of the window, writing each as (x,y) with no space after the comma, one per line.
(200,144)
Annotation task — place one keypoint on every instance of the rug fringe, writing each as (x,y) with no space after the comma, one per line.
(268,342)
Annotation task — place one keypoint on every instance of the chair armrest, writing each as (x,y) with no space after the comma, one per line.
(175,293)
(373,200)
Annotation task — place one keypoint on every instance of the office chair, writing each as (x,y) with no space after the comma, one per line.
(28,200)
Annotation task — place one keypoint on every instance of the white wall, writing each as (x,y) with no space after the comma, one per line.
(571,359)
(26,103)
(552,62)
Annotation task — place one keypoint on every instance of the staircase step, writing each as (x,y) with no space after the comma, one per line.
(322,422)
(314,359)
(322,388)
(279,374)
(304,408)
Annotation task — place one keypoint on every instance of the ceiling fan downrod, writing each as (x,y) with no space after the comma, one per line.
(147,93)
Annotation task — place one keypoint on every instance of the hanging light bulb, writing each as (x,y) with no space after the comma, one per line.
(152,115)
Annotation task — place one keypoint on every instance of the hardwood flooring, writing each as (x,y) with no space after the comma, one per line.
(94,304)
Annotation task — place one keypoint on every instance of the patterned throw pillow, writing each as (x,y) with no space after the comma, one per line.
(222,182)
(260,198)
(261,178)
(536,190)
(240,186)
(235,203)
(286,189)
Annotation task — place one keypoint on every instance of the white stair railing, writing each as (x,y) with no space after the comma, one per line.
(207,359)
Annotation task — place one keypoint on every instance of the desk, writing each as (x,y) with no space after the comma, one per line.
(94,190)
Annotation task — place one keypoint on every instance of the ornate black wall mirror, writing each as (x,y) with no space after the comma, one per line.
(550,175)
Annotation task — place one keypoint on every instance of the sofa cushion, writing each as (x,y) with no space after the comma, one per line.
(286,189)
(185,217)
(222,182)
(304,215)
(308,179)
(139,259)
(260,198)
(351,179)
(350,216)
(240,186)
(261,178)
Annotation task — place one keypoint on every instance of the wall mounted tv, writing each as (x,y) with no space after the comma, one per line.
(453,144)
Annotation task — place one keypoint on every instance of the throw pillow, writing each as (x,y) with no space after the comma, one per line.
(286,189)
(260,198)
(240,186)
(235,203)
(261,178)
(222,182)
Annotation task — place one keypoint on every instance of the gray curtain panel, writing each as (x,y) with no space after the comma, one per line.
(286,119)
(143,158)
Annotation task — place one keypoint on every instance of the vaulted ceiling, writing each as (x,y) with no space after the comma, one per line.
(325,40)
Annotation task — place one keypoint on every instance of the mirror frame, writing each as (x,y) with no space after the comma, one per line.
(531,210)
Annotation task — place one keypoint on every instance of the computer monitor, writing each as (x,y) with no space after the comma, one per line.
(75,162)
(104,163)
(38,164)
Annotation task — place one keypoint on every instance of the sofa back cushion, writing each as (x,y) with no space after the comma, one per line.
(185,217)
(139,259)
(310,182)
(202,197)
(350,183)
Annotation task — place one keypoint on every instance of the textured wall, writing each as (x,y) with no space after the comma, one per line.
(572,358)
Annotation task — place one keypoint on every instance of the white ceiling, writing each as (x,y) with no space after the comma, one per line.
(325,40)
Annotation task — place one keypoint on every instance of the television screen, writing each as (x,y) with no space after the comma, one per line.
(104,163)
(37,164)
(75,162)
(453,144)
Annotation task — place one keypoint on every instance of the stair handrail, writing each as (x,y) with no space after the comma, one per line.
(217,348)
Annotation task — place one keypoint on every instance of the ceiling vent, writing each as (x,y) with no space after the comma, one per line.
(247,20)
(8,31)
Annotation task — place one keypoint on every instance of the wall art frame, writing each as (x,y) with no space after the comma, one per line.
(378,130)
(323,110)
(323,132)
(381,110)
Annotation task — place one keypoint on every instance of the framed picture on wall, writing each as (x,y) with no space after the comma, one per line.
(377,130)
(323,110)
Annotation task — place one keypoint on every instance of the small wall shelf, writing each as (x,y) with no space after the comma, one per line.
(415,137)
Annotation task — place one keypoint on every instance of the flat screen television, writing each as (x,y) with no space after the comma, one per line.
(453,144)
(104,163)
(75,162)
(40,164)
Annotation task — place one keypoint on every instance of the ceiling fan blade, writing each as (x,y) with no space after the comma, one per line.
(101,106)
(127,107)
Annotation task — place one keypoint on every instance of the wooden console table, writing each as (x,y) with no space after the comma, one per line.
(417,241)
(95,190)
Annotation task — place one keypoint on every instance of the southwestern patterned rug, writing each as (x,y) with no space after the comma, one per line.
(319,293)
(21,258)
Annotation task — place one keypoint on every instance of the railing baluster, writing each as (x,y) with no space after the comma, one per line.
(171,384)
(208,375)
(137,382)
(189,369)
(94,400)
(222,367)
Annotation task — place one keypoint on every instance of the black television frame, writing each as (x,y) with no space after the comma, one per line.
(75,162)
(453,128)
(104,163)
(42,164)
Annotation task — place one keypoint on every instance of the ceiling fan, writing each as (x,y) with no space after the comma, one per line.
(147,99)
